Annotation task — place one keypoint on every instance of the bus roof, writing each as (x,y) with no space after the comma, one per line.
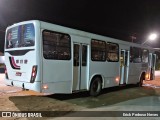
(59,28)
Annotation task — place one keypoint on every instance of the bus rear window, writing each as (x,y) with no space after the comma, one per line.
(20,36)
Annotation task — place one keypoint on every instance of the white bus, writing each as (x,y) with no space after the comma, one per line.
(49,58)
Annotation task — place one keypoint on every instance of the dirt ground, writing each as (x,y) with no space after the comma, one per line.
(14,99)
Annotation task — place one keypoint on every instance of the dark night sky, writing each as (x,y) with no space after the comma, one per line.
(114,18)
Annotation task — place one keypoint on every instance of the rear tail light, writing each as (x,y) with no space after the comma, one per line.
(6,73)
(33,74)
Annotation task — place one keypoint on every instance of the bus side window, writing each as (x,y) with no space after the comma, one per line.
(56,45)
(112,52)
(98,50)
(136,55)
(157,60)
(76,55)
(84,55)
(145,56)
(131,54)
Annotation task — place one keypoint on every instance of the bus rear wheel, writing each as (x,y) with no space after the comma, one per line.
(96,86)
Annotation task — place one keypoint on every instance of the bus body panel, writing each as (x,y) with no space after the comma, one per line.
(25,85)
(25,63)
(103,68)
(61,76)
(56,74)
(57,83)
(135,72)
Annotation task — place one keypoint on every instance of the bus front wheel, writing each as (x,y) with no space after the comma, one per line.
(140,83)
(96,86)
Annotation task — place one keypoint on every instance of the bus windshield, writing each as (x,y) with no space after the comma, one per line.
(20,36)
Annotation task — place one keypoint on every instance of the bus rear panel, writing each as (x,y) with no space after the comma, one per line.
(20,56)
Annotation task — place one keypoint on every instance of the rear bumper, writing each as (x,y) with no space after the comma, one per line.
(36,86)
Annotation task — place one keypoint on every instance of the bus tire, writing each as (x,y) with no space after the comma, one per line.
(140,83)
(151,74)
(96,86)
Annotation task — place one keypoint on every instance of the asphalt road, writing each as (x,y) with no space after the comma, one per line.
(147,105)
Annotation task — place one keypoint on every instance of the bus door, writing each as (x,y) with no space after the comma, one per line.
(80,66)
(124,66)
(152,63)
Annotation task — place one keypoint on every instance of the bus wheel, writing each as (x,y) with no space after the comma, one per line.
(96,86)
(140,83)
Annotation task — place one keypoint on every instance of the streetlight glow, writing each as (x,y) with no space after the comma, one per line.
(152,36)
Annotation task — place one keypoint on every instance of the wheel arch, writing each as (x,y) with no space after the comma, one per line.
(94,76)
(143,73)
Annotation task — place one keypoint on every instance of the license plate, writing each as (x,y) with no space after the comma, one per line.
(18,73)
